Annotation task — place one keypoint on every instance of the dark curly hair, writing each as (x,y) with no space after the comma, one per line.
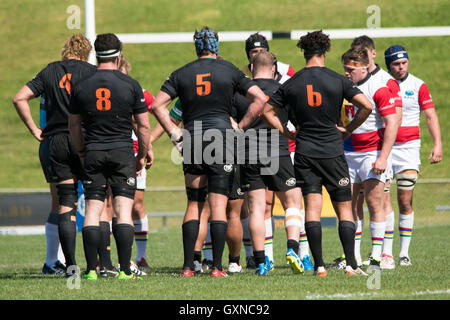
(314,43)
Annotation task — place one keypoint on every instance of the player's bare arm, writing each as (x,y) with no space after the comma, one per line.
(20,102)
(392,123)
(143,135)
(270,116)
(364,109)
(77,133)
(258,98)
(435,132)
(161,113)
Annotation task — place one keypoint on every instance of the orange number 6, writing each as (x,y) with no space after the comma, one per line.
(103,102)
(203,86)
(314,98)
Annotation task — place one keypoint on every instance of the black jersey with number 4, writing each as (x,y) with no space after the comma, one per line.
(206,88)
(315,95)
(56,81)
(107,100)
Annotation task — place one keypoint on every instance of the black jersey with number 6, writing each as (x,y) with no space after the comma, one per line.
(206,87)
(106,101)
(315,95)
(56,81)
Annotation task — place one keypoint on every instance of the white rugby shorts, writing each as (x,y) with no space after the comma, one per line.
(360,166)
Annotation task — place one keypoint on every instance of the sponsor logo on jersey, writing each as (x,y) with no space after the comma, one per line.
(409,93)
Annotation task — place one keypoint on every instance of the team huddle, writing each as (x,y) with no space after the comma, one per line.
(245,135)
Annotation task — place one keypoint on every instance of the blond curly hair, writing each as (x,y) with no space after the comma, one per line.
(76,47)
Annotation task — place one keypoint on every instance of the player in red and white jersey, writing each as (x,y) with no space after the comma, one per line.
(406,152)
(365,42)
(368,148)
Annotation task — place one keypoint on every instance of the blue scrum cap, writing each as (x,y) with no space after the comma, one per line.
(206,39)
(393,53)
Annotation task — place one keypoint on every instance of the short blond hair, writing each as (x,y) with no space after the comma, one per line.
(76,47)
(263,59)
(125,65)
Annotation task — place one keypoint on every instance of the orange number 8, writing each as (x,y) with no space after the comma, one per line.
(103,102)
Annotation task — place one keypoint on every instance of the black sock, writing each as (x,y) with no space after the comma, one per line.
(91,242)
(198,256)
(67,230)
(124,236)
(232,259)
(314,234)
(190,234)
(218,237)
(260,257)
(104,250)
(292,244)
(347,231)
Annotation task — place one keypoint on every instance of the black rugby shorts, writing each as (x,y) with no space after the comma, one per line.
(312,173)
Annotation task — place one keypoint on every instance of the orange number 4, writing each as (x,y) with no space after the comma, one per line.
(103,102)
(203,86)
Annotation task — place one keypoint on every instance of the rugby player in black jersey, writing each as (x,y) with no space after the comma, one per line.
(205,87)
(271,154)
(316,93)
(104,104)
(56,81)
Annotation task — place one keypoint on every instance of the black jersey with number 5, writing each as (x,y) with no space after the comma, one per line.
(107,100)
(56,81)
(315,95)
(206,88)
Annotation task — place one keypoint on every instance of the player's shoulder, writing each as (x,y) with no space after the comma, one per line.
(412,79)
(334,74)
(126,78)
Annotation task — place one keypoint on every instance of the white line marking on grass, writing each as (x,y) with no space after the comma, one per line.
(371,294)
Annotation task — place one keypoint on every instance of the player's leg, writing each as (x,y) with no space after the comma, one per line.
(203,242)
(196,195)
(55,260)
(358,215)
(106,267)
(257,206)
(406,181)
(140,222)
(268,223)
(291,201)
(374,196)
(246,237)
(387,261)
(234,234)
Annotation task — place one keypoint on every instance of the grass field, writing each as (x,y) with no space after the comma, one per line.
(427,278)
(32,34)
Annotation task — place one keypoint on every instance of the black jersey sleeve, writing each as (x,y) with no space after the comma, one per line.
(350,89)
(243,82)
(139,106)
(277,99)
(170,86)
(37,83)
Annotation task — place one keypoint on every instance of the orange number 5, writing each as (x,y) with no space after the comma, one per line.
(103,102)
(203,86)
